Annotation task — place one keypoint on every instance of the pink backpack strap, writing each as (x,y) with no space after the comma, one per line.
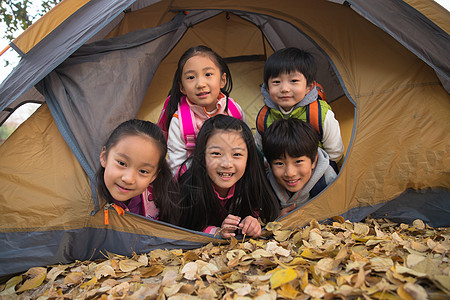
(234,109)
(149,208)
(186,124)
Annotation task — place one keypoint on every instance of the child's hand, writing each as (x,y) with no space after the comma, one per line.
(229,226)
(288,209)
(250,226)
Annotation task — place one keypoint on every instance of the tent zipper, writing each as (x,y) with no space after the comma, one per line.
(120,211)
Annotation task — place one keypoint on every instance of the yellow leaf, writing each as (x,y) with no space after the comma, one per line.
(273,226)
(308,253)
(89,283)
(37,276)
(104,271)
(385,296)
(404,294)
(304,280)
(257,243)
(315,238)
(418,224)
(13,281)
(418,246)
(281,277)
(442,282)
(190,256)
(288,291)
(381,264)
(151,271)
(339,219)
(55,272)
(128,265)
(282,235)
(362,239)
(297,261)
(73,278)
(361,229)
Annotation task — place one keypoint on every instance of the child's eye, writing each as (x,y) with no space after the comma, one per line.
(295,80)
(277,163)
(299,161)
(208,74)
(237,154)
(275,81)
(189,77)
(144,172)
(215,153)
(121,163)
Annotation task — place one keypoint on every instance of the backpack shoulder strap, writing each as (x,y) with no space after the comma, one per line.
(314,117)
(234,109)
(321,92)
(186,124)
(261,119)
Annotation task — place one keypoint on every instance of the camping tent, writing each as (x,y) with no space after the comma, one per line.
(383,64)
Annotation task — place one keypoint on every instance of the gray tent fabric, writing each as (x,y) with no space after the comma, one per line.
(281,34)
(422,37)
(65,246)
(37,63)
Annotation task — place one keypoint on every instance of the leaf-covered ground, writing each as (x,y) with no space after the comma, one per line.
(372,260)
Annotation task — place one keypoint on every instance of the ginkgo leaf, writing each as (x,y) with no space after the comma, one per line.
(419,247)
(310,254)
(55,272)
(273,226)
(128,265)
(104,271)
(419,224)
(73,278)
(151,271)
(12,282)
(412,291)
(314,291)
(37,276)
(190,270)
(381,264)
(258,253)
(282,235)
(281,277)
(89,283)
(205,268)
(361,229)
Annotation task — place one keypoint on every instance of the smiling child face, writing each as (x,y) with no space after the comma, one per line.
(226,158)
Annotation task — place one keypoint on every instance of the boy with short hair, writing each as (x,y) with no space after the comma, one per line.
(290,91)
(299,169)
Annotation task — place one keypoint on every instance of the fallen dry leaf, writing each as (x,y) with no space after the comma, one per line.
(372,259)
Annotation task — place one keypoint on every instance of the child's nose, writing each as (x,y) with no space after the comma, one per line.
(285,87)
(200,82)
(226,162)
(289,171)
(128,177)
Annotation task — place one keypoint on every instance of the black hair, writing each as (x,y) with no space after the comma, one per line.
(290,136)
(253,195)
(175,93)
(164,188)
(289,60)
